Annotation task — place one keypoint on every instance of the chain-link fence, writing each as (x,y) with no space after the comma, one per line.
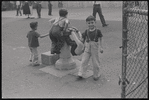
(135,50)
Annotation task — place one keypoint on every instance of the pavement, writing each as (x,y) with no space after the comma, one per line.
(21,80)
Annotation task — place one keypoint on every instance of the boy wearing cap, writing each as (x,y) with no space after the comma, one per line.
(33,43)
(93,42)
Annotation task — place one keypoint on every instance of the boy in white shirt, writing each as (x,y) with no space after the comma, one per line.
(18,5)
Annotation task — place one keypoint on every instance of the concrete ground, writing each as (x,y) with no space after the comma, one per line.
(20,80)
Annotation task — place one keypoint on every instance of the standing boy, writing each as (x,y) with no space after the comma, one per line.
(31,8)
(93,41)
(97,9)
(18,6)
(33,43)
(38,8)
(50,8)
(60,4)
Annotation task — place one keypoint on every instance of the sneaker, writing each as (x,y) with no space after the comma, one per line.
(96,78)
(32,17)
(80,78)
(105,25)
(36,64)
(30,60)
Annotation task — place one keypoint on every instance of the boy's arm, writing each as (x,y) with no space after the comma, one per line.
(52,20)
(100,41)
(65,26)
(42,36)
(100,44)
(83,37)
(80,36)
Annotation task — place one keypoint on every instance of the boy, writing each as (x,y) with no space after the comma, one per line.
(93,41)
(50,8)
(97,9)
(18,6)
(33,43)
(58,34)
(38,8)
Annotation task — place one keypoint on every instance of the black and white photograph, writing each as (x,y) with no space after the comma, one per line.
(74,49)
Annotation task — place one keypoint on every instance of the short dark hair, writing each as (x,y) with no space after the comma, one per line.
(63,12)
(90,18)
(33,24)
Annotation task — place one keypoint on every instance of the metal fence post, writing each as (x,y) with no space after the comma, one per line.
(124,51)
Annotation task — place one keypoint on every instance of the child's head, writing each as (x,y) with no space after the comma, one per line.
(91,21)
(34,25)
(63,12)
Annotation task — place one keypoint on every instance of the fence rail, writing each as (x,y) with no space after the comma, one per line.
(137,11)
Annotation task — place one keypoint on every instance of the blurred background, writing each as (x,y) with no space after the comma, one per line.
(11,5)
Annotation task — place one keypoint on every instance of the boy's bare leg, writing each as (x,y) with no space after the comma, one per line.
(31,55)
(35,59)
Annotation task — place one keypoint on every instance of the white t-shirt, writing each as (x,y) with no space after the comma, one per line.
(62,22)
(97,2)
(17,3)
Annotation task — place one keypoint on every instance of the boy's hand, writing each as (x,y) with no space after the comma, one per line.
(101,50)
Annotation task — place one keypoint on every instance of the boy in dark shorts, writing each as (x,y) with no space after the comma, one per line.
(58,34)
(92,37)
(33,43)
